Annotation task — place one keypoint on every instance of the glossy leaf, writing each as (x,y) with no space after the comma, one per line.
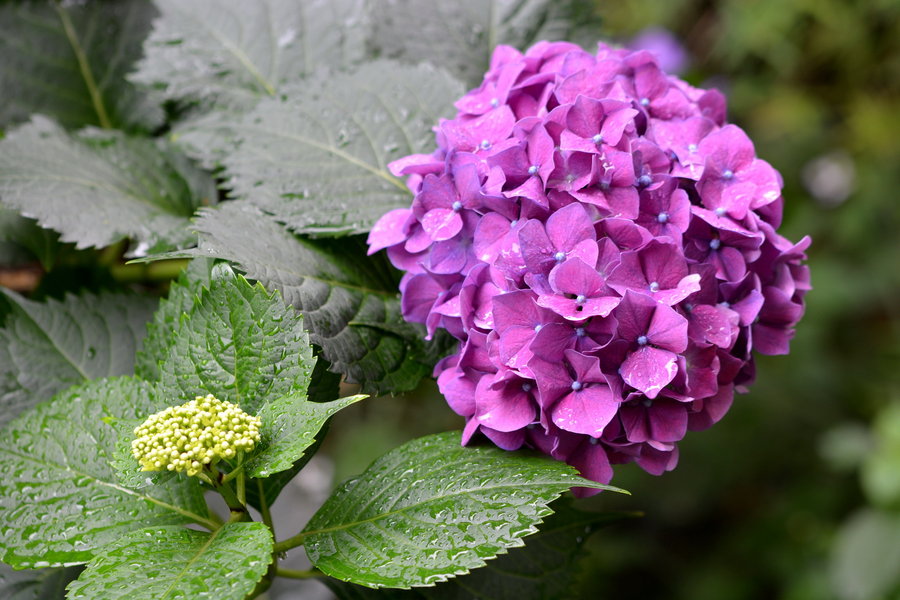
(460,36)
(97,187)
(69,60)
(35,584)
(316,157)
(47,347)
(239,343)
(165,563)
(56,457)
(333,285)
(290,425)
(432,509)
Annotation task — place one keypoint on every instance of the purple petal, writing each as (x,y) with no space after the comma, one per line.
(649,370)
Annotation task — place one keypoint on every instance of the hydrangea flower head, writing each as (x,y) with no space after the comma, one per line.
(196,434)
(603,245)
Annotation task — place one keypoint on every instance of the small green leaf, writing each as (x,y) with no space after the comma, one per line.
(333,285)
(316,157)
(239,343)
(22,240)
(57,457)
(167,319)
(289,427)
(35,584)
(97,187)
(47,347)
(69,62)
(431,509)
(165,563)
(460,36)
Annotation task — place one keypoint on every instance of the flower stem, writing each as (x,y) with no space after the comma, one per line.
(297,574)
(291,542)
(264,505)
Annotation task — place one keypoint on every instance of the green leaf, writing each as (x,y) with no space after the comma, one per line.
(289,427)
(35,584)
(227,55)
(332,286)
(316,157)
(97,187)
(544,568)
(57,458)
(865,556)
(164,563)
(239,343)
(69,60)
(460,36)
(47,347)
(432,509)
(167,318)
(22,240)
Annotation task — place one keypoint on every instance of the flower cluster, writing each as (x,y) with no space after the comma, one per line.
(197,433)
(604,247)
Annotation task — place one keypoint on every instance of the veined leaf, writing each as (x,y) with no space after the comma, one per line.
(316,157)
(60,499)
(165,563)
(331,286)
(69,60)
(21,240)
(35,584)
(460,36)
(47,347)
(431,509)
(97,187)
(225,55)
(239,343)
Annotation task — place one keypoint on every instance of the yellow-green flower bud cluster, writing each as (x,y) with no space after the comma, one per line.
(197,433)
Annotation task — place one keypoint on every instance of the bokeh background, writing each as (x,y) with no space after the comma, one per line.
(795,495)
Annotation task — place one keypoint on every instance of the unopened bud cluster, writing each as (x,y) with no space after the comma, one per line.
(197,433)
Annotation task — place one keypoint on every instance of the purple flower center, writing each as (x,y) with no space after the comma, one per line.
(727,174)
(594,441)
(654,286)
(647,402)
(644,180)
(495,102)
(526,387)
(559,256)
(598,138)
(662,217)
(456,206)
(537,327)
(577,385)
(533,169)
(720,212)
(580,299)
(714,244)
(724,304)
(642,340)
(692,147)
(579,331)
(645,101)
(485,144)
(513,223)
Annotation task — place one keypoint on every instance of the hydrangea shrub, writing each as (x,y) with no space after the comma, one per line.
(603,244)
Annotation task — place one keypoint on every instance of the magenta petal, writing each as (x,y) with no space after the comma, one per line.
(389,230)
(587,411)
(714,324)
(442,223)
(649,370)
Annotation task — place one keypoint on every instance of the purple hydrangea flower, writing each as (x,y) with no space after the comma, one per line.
(603,245)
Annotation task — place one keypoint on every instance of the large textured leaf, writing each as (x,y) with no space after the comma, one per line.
(167,318)
(60,500)
(68,61)
(317,156)
(460,36)
(544,568)
(332,286)
(95,187)
(47,347)
(431,509)
(289,427)
(227,54)
(239,343)
(166,563)
(35,584)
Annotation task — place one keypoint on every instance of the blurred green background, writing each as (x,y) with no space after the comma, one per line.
(796,493)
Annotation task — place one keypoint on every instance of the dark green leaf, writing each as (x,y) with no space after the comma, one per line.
(47,347)
(460,36)
(332,286)
(60,499)
(167,319)
(165,563)
(239,343)
(432,509)
(22,240)
(35,584)
(69,60)
(289,427)
(226,55)
(316,157)
(97,187)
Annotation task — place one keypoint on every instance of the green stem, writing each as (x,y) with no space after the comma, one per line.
(163,270)
(242,488)
(264,506)
(84,67)
(297,574)
(291,542)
